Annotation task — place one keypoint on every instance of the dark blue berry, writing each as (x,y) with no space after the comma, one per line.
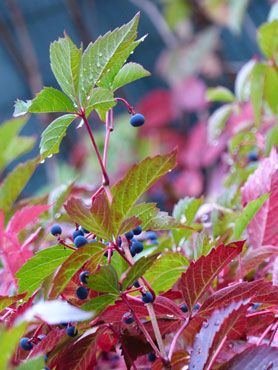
(85,231)
(77,233)
(129,235)
(46,368)
(92,241)
(253,156)
(151,235)
(79,241)
(137,230)
(64,324)
(256,306)
(136,284)
(45,357)
(184,307)
(84,276)
(56,230)
(137,247)
(119,241)
(128,318)
(151,357)
(106,254)
(196,306)
(147,297)
(72,331)
(25,344)
(82,292)
(137,120)
(132,251)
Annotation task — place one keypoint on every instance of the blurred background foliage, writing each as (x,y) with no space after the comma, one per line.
(191,45)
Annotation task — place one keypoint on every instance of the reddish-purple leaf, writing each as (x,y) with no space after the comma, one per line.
(275,272)
(210,339)
(8,301)
(80,355)
(25,216)
(49,342)
(96,219)
(255,358)
(263,229)
(200,274)
(255,257)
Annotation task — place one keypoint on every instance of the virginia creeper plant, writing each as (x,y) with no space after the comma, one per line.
(105,279)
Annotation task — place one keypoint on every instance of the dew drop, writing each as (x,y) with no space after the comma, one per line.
(100,55)
(199,350)
(205,324)
(42,161)
(98,65)
(132,52)
(50,156)
(217,323)
(108,70)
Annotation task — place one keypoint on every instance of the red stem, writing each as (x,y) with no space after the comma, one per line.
(104,173)
(176,337)
(130,108)
(99,190)
(61,241)
(142,327)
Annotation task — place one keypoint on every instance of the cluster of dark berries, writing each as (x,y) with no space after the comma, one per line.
(135,245)
(184,307)
(137,120)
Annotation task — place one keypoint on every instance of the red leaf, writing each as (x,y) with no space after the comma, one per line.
(25,216)
(255,257)
(200,274)
(255,358)
(49,342)
(193,101)
(80,355)
(20,311)
(263,228)
(213,333)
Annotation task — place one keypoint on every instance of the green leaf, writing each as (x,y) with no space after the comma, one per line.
(104,281)
(152,218)
(268,40)
(50,100)
(165,271)
(37,363)
(137,181)
(9,341)
(185,211)
(65,60)
(57,198)
(21,107)
(221,94)
(271,88)
(8,301)
(101,99)
(242,82)
(100,56)
(257,90)
(247,214)
(12,145)
(90,252)
(271,139)
(96,219)
(119,264)
(53,135)
(217,121)
(14,183)
(139,269)
(39,267)
(99,303)
(128,73)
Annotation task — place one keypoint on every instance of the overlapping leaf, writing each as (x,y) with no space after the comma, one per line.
(98,304)
(105,280)
(90,252)
(138,180)
(100,56)
(165,271)
(138,269)
(200,274)
(52,136)
(15,182)
(213,333)
(65,60)
(255,358)
(44,263)
(128,73)
(51,100)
